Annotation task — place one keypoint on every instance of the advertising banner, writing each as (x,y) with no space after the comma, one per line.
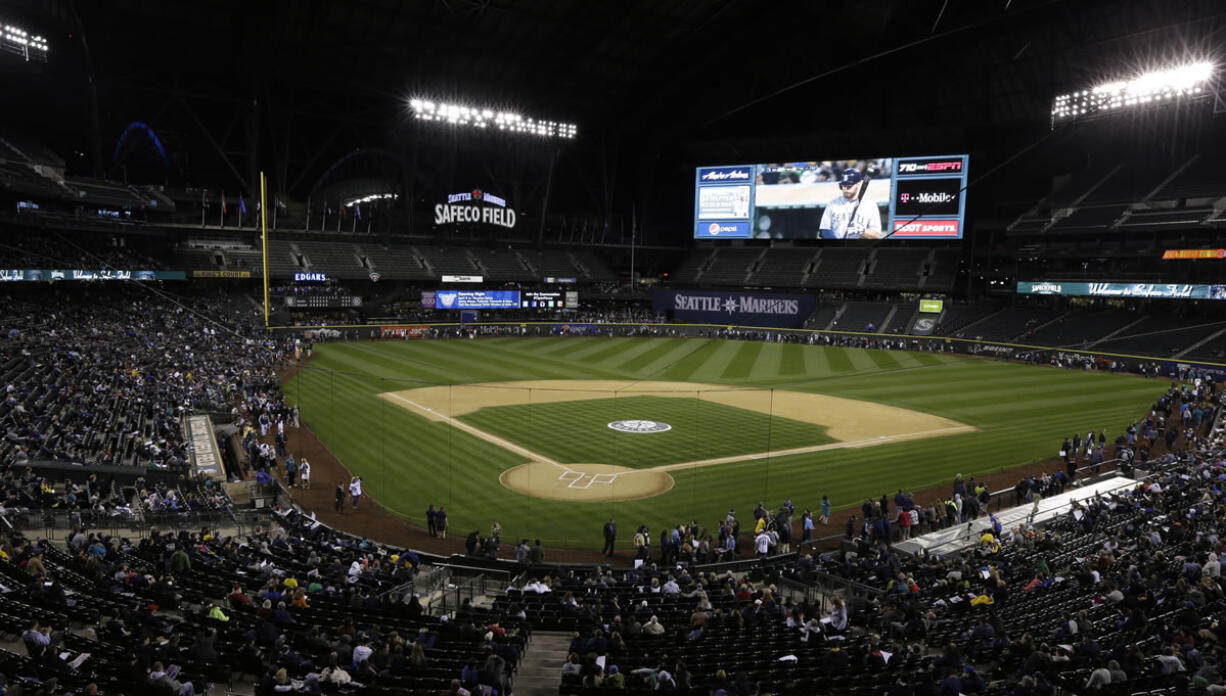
(541,299)
(404,331)
(36,275)
(578,329)
(1152,290)
(476,299)
(741,308)
(932,306)
(923,325)
(1194,254)
(220,274)
(206,457)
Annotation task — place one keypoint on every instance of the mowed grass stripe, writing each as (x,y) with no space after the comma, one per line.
(422,360)
(651,351)
(710,369)
(699,353)
(680,350)
(349,364)
(573,345)
(742,361)
(792,360)
(612,350)
(525,367)
(766,364)
(839,359)
(400,365)
(525,352)
(883,359)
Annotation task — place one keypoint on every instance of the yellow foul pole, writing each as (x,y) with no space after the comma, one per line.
(264,237)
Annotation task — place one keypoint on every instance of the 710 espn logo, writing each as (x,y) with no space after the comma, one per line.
(925,197)
(937,166)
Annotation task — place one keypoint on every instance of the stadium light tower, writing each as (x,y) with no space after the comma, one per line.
(1171,85)
(14,39)
(485,117)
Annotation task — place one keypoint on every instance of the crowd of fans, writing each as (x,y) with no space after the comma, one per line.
(296,606)
(43,251)
(105,375)
(1120,594)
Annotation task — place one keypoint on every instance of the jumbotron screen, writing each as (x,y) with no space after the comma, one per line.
(883,198)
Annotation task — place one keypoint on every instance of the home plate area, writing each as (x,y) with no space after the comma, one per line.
(595,483)
(578,479)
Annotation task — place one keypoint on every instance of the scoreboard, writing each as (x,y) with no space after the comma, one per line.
(912,197)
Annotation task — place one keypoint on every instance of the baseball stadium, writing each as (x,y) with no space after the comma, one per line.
(495,347)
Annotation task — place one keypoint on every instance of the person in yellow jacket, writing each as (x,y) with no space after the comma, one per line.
(215,612)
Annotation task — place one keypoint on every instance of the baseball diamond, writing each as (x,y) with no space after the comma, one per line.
(517,428)
(857,424)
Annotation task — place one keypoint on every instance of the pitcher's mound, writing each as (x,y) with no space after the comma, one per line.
(585,483)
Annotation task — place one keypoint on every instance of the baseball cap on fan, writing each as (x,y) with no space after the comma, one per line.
(850,177)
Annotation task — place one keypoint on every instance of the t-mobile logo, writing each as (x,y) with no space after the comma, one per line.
(904,197)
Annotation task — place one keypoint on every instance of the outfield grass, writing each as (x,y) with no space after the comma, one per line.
(408,462)
(572,432)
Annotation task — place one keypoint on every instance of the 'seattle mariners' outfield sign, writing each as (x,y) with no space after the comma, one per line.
(740,308)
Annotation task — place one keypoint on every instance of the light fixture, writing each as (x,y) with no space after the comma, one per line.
(14,39)
(485,117)
(371,197)
(1180,82)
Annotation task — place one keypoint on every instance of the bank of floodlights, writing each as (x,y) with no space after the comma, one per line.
(1173,84)
(371,198)
(14,39)
(489,119)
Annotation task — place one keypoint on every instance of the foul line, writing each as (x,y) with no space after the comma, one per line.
(533,456)
(505,444)
(880,439)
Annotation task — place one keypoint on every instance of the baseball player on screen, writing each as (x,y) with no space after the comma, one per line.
(845,217)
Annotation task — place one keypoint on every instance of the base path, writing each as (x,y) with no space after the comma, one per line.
(854,423)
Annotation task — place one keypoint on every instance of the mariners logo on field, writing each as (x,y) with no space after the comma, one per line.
(640,426)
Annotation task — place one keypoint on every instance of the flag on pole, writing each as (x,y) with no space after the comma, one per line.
(242,205)
(223,203)
(345,211)
(357,210)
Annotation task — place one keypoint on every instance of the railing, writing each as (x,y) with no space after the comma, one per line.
(425,584)
(453,596)
(823,585)
(58,522)
(246,520)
